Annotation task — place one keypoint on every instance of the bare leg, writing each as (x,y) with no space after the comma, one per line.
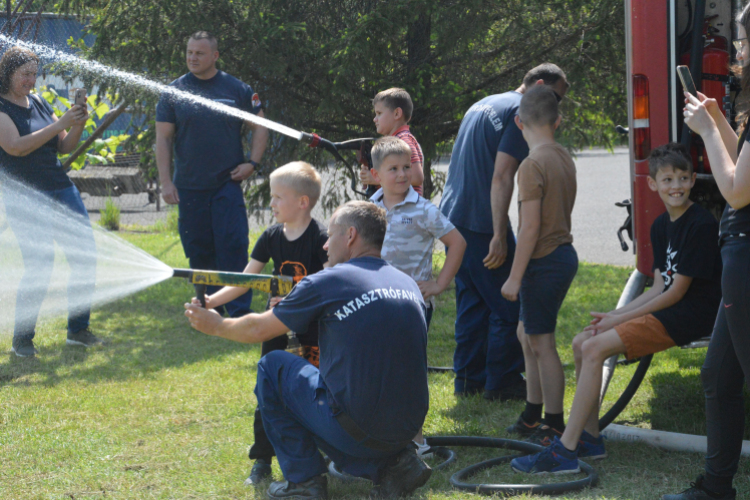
(577,350)
(550,368)
(533,383)
(585,410)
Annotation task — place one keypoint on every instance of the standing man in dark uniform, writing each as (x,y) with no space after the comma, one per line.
(488,149)
(369,397)
(209,163)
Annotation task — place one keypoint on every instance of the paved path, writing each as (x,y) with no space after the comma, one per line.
(603,179)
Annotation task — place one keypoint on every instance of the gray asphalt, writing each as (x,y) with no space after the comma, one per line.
(603,179)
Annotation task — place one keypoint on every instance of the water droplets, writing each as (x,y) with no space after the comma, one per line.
(53,261)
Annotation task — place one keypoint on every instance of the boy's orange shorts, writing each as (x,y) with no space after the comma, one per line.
(643,336)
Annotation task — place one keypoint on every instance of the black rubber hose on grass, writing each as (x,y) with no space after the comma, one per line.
(628,393)
(458,479)
(448,456)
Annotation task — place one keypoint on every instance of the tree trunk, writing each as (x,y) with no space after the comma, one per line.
(419,77)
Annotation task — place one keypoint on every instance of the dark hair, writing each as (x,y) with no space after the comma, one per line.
(548,72)
(364,216)
(396,98)
(538,106)
(673,155)
(743,72)
(14,58)
(387,146)
(205,35)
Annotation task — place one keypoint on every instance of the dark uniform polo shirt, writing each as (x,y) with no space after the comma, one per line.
(373,343)
(207,144)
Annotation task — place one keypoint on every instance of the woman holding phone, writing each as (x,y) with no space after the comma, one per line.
(31,136)
(727,364)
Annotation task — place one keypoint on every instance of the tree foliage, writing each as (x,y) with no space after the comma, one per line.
(317,65)
(102,151)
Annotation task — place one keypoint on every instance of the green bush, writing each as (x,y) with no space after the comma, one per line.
(110,217)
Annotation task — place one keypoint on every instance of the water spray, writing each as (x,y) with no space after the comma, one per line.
(47,52)
(313,140)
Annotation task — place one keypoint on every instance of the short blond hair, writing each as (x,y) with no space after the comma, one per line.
(387,146)
(301,177)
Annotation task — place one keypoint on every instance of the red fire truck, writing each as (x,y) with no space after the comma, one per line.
(661,34)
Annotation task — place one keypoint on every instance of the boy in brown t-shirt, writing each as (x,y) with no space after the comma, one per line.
(545,261)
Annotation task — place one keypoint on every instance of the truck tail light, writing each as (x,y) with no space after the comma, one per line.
(641,125)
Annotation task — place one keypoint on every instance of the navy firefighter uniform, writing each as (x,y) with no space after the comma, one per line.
(207,147)
(369,397)
(488,354)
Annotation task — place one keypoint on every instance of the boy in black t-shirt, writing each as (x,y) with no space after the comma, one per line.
(680,308)
(295,245)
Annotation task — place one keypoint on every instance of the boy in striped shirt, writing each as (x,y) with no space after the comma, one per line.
(393,109)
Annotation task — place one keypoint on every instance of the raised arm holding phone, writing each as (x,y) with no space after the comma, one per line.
(31,136)
(727,363)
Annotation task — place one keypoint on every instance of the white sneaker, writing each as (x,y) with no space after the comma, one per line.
(423,451)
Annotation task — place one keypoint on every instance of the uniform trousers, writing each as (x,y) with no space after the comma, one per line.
(214,232)
(299,422)
(488,354)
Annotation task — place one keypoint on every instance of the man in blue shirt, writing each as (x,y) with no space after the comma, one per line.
(209,163)
(369,397)
(488,149)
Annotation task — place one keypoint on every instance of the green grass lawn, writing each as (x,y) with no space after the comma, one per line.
(162,411)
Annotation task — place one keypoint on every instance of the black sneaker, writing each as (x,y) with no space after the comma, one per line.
(83,337)
(260,472)
(23,347)
(406,473)
(699,492)
(544,435)
(312,489)
(523,428)
(516,392)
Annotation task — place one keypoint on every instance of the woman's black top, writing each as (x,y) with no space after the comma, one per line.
(736,222)
(40,169)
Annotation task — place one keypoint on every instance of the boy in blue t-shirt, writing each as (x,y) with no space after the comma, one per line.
(678,309)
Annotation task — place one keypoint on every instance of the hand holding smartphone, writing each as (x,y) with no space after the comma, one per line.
(687,80)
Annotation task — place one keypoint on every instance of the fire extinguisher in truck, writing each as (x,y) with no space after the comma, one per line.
(660,36)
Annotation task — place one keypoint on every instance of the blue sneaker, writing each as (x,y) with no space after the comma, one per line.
(554,459)
(591,447)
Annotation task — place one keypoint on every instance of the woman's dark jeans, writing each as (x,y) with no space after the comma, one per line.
(727,368)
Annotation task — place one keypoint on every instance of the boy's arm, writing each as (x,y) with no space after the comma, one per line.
(528,234)
(417,173)
(669,298)
(457,246)
(501,192)
(229,293)
(645,297)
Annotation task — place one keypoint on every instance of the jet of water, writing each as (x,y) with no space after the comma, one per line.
(85,267)
(49,53)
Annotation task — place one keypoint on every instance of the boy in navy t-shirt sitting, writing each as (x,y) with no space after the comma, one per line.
(295,245)
(678,309)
